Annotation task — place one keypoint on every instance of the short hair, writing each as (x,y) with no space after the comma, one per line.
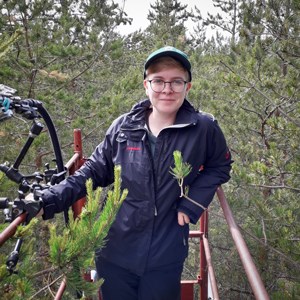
(165,62)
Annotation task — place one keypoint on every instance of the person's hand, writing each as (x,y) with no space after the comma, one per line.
(33,207)
(183,218)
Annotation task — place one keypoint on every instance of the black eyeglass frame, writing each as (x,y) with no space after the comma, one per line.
(170,82)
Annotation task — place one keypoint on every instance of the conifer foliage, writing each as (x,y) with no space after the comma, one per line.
(72,251)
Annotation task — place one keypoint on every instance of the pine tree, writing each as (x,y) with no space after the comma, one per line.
(167,21)
(226,22)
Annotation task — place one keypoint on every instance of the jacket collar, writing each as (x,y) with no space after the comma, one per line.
(186,114)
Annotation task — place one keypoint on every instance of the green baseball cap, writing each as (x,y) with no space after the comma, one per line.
(172,52)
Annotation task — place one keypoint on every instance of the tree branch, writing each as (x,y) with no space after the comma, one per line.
(253,86)
(275,187)
(46,287)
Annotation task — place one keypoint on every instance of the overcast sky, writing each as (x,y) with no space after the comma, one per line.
(138,11)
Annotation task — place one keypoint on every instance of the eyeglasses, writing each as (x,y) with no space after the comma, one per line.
(158,85)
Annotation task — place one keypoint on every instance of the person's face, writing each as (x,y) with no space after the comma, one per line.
(167,101)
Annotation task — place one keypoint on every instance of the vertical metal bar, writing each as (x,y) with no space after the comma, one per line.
(211,272)
(78,144)
(78,205)
(203,262)
(187,286)
(254,278)
(187,290)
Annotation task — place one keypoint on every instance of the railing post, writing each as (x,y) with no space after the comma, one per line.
(211,272)
(78,162)
(187,286)
(203,261)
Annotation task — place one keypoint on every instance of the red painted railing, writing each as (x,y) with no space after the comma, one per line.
(206,269)
(253,276)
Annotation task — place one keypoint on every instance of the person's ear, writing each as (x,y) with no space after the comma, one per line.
(188,87)
(146,87)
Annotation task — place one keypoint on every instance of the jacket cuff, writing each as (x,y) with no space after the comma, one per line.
(49,211)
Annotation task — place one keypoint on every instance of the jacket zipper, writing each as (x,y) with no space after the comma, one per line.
(153,172)
(184,241)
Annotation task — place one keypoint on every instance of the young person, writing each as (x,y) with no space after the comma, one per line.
(148,242)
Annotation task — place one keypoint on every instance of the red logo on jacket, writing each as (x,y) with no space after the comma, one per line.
(227,155)
(133,148)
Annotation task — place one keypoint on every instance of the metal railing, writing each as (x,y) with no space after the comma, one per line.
(206,270)
(253,275)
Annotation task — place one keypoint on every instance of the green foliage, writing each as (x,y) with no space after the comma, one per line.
(73,250)
(5,184)
(181,169)
(19,286)
(167,20)
(5,45)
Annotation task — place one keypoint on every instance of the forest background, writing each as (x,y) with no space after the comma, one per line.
(70,55)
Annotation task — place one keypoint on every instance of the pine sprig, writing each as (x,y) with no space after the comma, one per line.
(73,251)
(180,171)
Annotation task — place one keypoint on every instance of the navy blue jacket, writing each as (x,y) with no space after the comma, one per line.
(146,233)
